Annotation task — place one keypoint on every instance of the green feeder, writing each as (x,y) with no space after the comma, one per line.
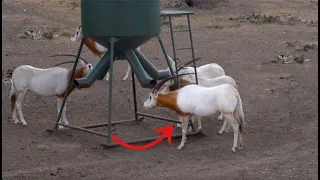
(122,26)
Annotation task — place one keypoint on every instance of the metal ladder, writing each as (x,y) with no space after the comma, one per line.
(174,49)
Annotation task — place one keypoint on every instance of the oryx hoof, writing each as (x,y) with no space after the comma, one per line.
(233,149)
(180,147)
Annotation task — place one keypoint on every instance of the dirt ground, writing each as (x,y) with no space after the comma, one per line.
(280,100)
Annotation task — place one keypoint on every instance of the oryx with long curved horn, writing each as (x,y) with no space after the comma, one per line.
(51,81)
(96,48)
(201,101)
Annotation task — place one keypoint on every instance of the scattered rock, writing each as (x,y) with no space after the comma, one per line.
(35,35)
(314,2)
(299,59)
(181,26)
(290,59)
(176,4)
(48,35)
(302,46)
(271,91)
(286,77)
(6,77)
(43,147)
(83,175)
(74,4)
(164,20)
(256,18)
(39,34)
(309,22)
(53,173)
(23,36)
(8,74)
(235,25)
(283,18)
(215,26)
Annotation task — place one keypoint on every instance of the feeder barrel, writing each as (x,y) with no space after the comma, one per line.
(132,21)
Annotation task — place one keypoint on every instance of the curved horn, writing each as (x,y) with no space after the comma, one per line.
(64,63)
(161,83)
(189,62)
(71,56)
(170,59)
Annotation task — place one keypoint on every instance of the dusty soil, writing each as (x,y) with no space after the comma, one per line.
(279,100)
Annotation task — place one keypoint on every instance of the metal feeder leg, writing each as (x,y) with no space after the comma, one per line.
(135,98)
(70,82)
(111,41)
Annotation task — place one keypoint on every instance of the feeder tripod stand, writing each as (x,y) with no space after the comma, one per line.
(135,59)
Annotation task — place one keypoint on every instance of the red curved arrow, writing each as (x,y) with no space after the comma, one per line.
(166,132)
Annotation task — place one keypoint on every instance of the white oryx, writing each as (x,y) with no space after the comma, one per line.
(97,49)
(201,101)
(52,81)
(207,71)
(205,83)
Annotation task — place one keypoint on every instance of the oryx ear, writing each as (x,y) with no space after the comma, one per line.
(155,95)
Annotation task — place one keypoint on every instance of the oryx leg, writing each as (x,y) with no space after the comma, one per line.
(63,115)
(14,115)
(14,112)
(223,128)
(227,129)
(107,76)
(127,73)
(199,123)
(232,121)
(20,99)
(179,124)
(220,117)
(184,124)
(240,140)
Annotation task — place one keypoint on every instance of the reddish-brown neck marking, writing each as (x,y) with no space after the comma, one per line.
(79,73)
(183,82)
(91,45)
(169,100)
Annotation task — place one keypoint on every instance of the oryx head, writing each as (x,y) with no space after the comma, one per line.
(77,34)
(82,62)
(151,102)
